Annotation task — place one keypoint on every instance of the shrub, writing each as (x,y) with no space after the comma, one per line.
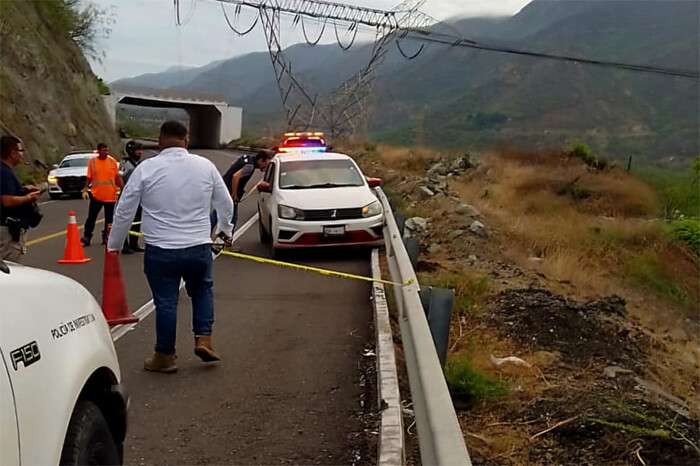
(646,269)
(469,290)
(688,231)
(465,381)
(583,152)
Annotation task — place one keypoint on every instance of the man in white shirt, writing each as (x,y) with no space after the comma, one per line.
(176,191)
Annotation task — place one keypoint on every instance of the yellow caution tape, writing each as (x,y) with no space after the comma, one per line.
(332,273)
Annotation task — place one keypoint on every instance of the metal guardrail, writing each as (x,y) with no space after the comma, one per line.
(439,435)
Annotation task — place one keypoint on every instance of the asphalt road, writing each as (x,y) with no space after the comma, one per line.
(287,389)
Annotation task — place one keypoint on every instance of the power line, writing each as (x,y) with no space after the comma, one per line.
(427,36)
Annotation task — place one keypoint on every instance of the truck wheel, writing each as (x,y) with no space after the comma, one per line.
(89,440)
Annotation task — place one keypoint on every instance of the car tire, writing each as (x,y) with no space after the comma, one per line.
(89,440)
(264,235)
(54,196)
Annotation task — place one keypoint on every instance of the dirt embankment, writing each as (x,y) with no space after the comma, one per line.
(48,93)
(568,269)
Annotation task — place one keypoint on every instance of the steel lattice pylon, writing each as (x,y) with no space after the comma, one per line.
(343,110)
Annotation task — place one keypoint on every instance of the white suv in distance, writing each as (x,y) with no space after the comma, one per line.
(312,199)
(61,401)
(69,176)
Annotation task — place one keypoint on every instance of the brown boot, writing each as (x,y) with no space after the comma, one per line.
(203,349)
(160,362)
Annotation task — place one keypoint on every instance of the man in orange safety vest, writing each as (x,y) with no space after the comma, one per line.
(101,187)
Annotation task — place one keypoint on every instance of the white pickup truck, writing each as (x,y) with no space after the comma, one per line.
(61,401)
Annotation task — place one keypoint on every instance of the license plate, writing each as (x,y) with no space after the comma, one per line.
(334,231)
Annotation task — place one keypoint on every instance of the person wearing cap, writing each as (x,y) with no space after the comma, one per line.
(101,187)
(133,150)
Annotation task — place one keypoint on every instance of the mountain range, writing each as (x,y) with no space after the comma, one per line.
(462,97)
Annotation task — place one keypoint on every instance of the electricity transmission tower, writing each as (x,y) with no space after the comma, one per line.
(344,109)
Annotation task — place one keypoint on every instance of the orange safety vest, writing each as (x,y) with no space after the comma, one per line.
(102,173)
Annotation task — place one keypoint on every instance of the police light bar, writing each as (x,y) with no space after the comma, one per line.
(299,134)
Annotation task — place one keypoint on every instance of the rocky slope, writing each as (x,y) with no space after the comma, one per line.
(48,94)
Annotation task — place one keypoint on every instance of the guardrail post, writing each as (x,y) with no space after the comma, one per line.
(413,249)
(400,222)
(437,304)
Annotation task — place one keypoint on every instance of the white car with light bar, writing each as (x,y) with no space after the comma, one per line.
(69,176)
(302,142)
(318,199)
(61,401)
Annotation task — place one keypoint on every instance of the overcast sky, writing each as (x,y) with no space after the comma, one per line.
(146,39)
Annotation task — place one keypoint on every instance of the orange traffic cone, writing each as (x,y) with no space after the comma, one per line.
(113,296)
(73,253)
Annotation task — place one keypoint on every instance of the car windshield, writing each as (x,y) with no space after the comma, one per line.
(76,162)
(303,174)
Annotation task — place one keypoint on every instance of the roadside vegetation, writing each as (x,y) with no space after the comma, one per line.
(584,270)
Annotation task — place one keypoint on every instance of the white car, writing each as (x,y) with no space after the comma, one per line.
(310,199)
(69,176)
(61,401)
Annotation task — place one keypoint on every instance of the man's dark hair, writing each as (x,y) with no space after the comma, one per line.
(102,145)
(7,145)
(262,155)
(173,129)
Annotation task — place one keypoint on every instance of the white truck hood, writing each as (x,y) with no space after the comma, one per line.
(69,171)
(327,198)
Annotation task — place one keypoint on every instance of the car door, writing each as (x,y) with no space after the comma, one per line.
(9,439)
(265,198)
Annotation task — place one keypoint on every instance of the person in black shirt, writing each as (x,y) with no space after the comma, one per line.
(134,151)
(238,175)
(13,201)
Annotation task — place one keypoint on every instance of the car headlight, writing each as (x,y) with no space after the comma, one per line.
(370,210)
(289,213)
(52,179)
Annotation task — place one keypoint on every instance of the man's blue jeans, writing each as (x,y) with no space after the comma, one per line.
(164,268)
(215,218)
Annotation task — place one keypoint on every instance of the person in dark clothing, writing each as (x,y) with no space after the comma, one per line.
(238,175)
(14,198)
(134,151)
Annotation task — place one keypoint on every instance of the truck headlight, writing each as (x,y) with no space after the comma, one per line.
(370,210)
(52,179)
(290,213)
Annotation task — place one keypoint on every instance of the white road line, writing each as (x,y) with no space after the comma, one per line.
(46,202)
(120,330)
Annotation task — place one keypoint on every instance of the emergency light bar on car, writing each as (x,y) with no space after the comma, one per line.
(303,142)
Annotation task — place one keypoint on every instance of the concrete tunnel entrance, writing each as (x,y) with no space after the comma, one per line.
(213,122)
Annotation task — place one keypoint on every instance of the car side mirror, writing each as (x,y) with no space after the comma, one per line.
(264,187)
(374,182)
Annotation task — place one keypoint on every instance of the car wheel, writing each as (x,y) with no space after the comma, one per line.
(54,196)
(89,440)
(264,235)
(274,252)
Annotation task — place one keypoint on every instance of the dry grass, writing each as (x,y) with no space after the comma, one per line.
(585,226)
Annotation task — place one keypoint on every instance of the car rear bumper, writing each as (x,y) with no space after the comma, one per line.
(299,234)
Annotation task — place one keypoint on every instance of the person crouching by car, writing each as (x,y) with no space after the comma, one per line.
(134,151)
(15,201)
